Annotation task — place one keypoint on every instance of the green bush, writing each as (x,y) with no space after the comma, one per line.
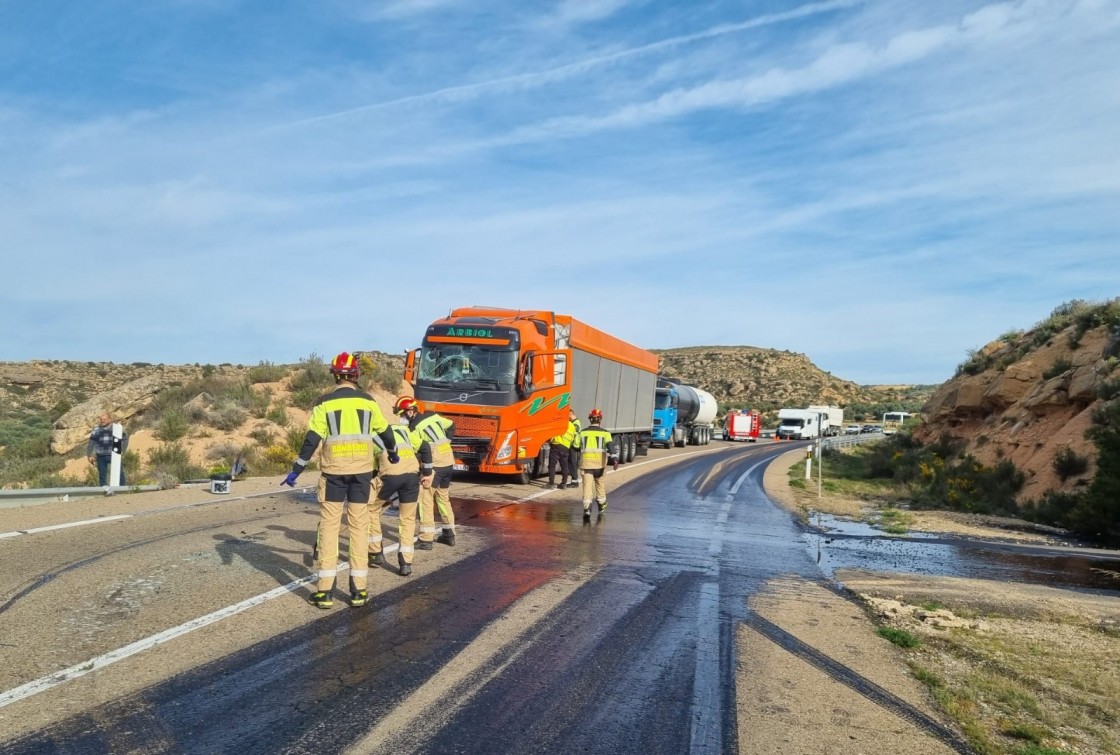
(314,373)
(305,397)
(1068,463)
(267,372)
(294,439)
(171,464)
(227,417)
(259,401)
(19,470)
(173,425)
(278,415)
(899,637)
(1060,366)
(263,436)
(1108,389)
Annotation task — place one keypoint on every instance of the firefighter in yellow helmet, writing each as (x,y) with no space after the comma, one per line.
(438,431)
(597,449)
(348,423)
(402,477)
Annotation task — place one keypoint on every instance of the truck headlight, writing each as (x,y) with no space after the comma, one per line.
(506,449)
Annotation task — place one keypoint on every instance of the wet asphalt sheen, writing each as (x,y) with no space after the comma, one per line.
(639,658)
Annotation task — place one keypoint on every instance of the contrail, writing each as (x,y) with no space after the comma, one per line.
(538,78)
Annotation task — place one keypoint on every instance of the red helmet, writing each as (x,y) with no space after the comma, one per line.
(346,365)
(404,403)
(595,414)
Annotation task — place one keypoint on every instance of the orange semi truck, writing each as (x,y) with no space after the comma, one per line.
(507,378)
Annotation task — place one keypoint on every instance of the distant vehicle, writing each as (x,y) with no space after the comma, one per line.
(682,414)
(744,425)
(798,424)
(869,429)
(832,419)
(893,421)
(852,430)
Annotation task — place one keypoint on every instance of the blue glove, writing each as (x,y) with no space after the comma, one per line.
(290,480)
(394,457)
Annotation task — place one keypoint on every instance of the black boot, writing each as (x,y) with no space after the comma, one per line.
(376,559)
(406,569)
(447,537)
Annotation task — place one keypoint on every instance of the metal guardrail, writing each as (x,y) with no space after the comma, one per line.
(842,441)
(35,496)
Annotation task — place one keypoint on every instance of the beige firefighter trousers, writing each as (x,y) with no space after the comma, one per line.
(330,522)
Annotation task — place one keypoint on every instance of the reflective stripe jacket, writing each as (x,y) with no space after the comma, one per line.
(579,429)
(345,422)
(415,453)
(597,447)
(438,431)
(568,438)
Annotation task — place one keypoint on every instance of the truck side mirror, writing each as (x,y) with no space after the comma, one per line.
(410,366)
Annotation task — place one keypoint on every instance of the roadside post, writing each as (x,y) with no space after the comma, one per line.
(115,458)
(809,463)
(820,453)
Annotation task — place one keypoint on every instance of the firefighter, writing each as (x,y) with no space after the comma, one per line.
(403,477)
(597,449)
(345,421)
(438,431)
(560,456)
(573,452)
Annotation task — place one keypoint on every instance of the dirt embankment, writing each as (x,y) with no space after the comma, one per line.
(1014,667)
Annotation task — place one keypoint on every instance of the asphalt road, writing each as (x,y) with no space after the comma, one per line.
(537,633)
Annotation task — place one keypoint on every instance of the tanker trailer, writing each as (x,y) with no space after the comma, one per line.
(682,414)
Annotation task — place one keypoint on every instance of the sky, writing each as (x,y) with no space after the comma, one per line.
(879,185)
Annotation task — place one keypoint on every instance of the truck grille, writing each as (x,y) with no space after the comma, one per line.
(469,450)
(474,427)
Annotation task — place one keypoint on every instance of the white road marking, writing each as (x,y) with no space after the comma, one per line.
(59,677)
(17,533)
(101,661)
(77,524)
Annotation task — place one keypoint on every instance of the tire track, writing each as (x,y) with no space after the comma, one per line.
(865,687)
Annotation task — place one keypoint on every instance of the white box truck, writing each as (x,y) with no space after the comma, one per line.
(833,419)
(797,424)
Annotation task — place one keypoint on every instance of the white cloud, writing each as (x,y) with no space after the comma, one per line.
(582,11)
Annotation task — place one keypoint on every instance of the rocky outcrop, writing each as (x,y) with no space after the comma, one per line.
(1029,402)
(72,429)
(743,377)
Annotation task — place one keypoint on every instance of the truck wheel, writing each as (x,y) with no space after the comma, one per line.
(631,448)
(529,470)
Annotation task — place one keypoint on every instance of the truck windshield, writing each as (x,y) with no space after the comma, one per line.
(662,400)
(458,364)
(793,423)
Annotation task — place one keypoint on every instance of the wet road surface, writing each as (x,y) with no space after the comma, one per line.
(560,636)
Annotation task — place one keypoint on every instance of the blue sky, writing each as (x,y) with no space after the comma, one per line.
(878,185)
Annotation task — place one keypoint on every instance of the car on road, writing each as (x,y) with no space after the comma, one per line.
(869,429)
(852,430)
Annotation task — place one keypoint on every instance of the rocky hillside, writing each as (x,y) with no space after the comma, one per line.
(742,377)
(48,407)
(1030,396)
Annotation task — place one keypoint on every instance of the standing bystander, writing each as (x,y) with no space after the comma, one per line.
(102,443)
